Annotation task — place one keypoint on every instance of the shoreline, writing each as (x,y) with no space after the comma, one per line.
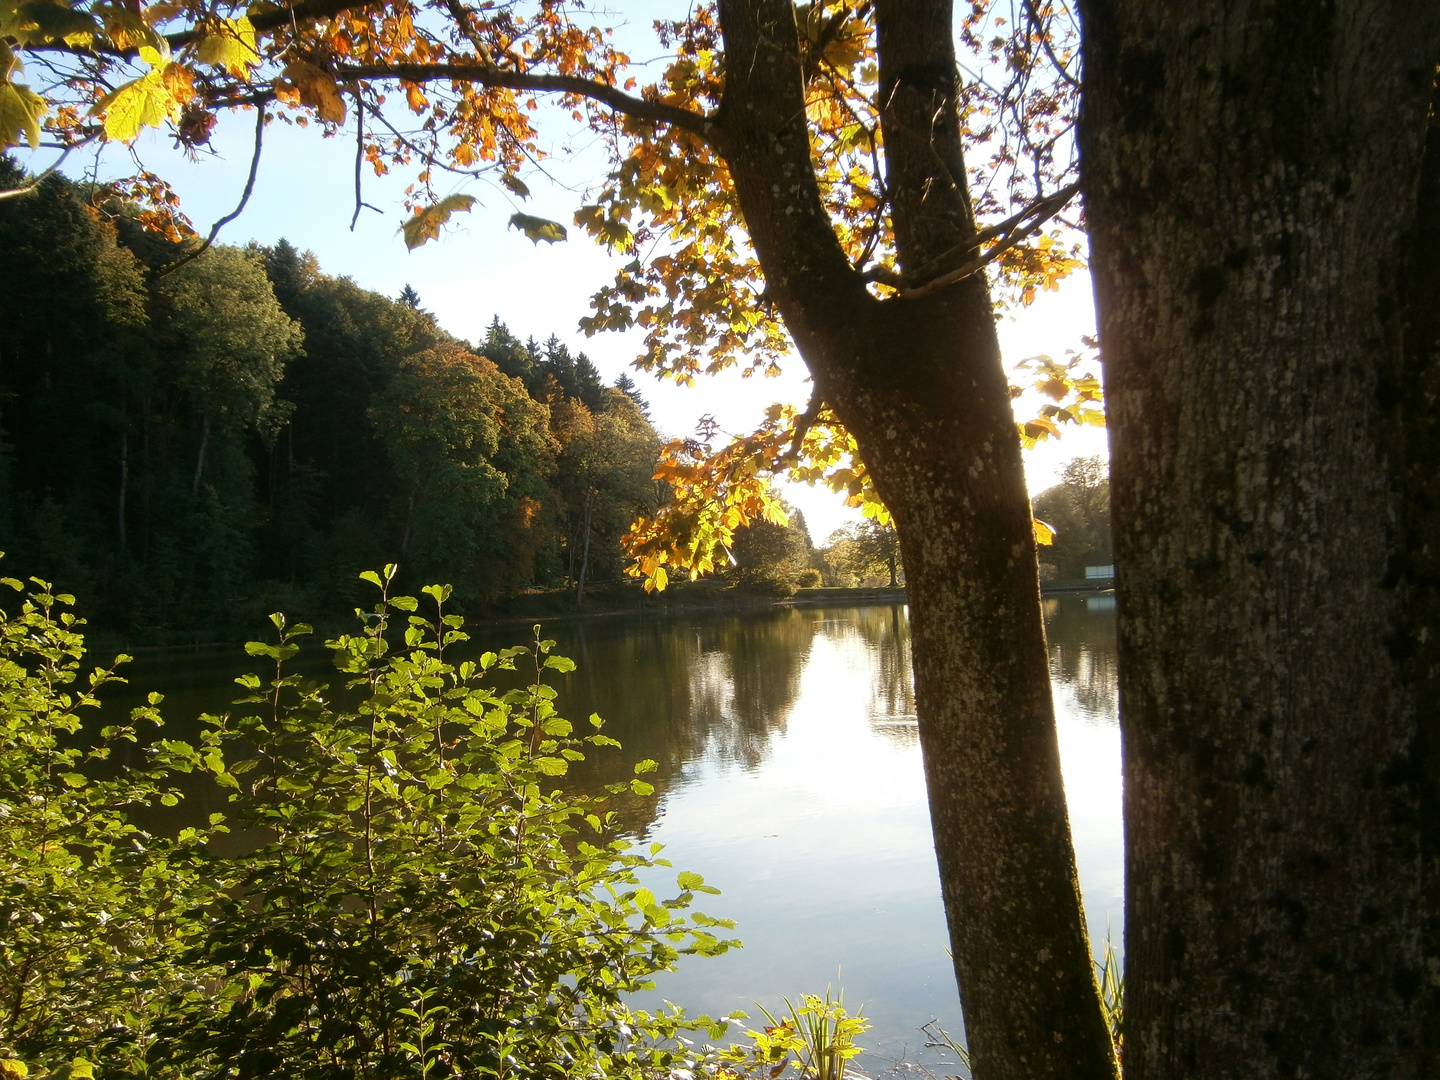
(604,602)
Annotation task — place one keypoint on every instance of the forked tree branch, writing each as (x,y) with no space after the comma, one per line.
(1030,220)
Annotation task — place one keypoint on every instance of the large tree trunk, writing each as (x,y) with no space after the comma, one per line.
(1250,174)
(920,385)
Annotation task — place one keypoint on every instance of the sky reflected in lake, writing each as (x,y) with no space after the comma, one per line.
(820,841)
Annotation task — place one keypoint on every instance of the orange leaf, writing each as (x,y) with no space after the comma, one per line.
(318,90)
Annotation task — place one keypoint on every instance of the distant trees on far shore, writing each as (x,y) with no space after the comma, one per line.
(194,449)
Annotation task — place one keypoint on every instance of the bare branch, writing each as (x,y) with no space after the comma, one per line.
(1033,217)
(462,22)
(359,157)
(803,423)
(306,10)
(38,178)
(1044,37)
(1036,214)
(313,10)
(239,207)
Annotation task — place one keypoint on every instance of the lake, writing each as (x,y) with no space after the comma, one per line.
(790,777)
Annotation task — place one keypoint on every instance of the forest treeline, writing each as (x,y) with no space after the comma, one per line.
(195,449)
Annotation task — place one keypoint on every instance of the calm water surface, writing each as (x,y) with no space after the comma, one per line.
(790,776)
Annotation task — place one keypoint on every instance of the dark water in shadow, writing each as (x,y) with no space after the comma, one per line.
(790,776)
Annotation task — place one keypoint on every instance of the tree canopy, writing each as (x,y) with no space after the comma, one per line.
(1077,510)
(188,449)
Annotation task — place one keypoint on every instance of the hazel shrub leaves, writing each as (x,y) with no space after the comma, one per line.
(415,895)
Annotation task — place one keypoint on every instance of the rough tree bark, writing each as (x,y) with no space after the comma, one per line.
(1251,174)
(920,385)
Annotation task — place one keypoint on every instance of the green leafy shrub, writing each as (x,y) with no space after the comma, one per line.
(418,899)
(95,913)
(423,902)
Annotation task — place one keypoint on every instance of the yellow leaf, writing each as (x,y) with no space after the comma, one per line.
(1044,534)
(128,30)
(538,228)
(11,1069)
(162,12)
(40,22)
(145,102)
(317,89)
(231,46)
(21,110)
(425,225)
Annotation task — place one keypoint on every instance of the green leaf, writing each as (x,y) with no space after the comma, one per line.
(639,787)
(642,767)
(425,225)
(538,228)
(560,663)
(21,110)
(552,766)
(689,880)
(372,577)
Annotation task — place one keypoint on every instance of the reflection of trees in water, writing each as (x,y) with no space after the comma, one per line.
(1082,652)
(678,690)
(885,632)
(762,656)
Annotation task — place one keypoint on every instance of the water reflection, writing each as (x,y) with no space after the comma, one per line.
(1082,652)
(886,633)
(789,774)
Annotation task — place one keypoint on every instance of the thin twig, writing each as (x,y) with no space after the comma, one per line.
(239,207)
(428,155)
(1045,44)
